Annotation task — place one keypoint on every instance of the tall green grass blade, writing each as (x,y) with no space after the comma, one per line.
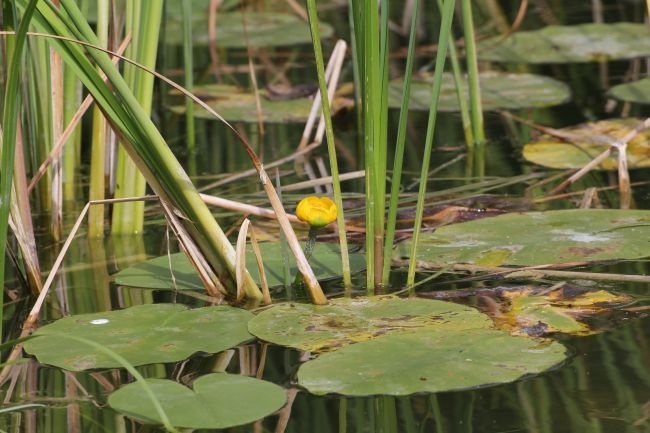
(145,144)
(460,91)
(329,133)
(443,44)
(9,123)
(143,21)
(472,73)
(99,141)
(188,62)
(399,149)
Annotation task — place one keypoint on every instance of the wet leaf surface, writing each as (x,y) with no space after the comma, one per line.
(570,44)
(428,361)
(157,273)
(529,313)
(538,238)
(636,91)
(588,141)
(237,105)
(143,334)
(345,321)
(498,91)
(217,400)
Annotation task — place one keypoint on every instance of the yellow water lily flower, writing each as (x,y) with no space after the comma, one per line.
(316,211)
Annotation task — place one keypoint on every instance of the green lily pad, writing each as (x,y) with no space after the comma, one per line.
(156,273)
(344,321)
(538,238)
(498,91)
(218,400)
(588,141)
(263,30)
(143,334)
(570,44)
(636,91)
(428,361)
(237,105)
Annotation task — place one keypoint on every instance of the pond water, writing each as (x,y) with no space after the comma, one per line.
(602,387)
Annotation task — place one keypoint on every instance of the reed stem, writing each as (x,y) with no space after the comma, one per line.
(399,149)
(331,149)
(443,44)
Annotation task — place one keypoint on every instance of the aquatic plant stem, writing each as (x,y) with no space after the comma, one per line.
(331,148)
(188,61)
(100,132)
(460,92)
(443,44)
(476,109)
(399,149)
(9,133)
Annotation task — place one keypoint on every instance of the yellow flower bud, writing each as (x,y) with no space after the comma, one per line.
(316,211)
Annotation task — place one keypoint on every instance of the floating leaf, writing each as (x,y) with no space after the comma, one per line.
(263,30)
(156,273)
(537,238)
(237,105)
(428,361)
(143,334)
(588,141)
(344,321)
(570,44)
(636,91)
(498,91)
(537,314)
(218,400)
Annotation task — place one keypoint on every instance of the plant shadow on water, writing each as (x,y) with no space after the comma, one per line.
(590,372)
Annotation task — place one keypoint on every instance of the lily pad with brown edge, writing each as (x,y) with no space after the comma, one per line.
(143,334)
(237,105)
(538,238)
(635,91)
(317,328)
(588,141)
(157,273)
(216,400)
(243,29)
(529,313)
(570,44)
(499,90)
(428,360)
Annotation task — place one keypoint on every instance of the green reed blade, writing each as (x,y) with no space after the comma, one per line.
(443,44)
(146,145)
(329,133)
(399,149)
(9,123)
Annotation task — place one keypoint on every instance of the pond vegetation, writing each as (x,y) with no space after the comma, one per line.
(343,216)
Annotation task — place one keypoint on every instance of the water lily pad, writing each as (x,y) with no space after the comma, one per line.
(344,321)
(636,91)
(537,238)
(156,273)
(237,105)
(143,334)
(498,91)
(588,141)
(538,314)
(217,400)
(428,361)
(262,30)
(569,44)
